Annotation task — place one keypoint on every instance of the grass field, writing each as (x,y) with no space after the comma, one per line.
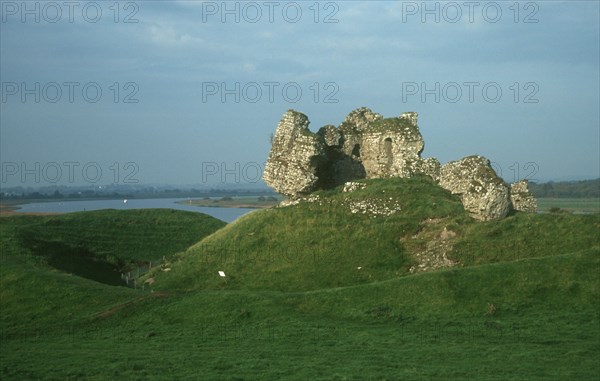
(313,292)
(574,205)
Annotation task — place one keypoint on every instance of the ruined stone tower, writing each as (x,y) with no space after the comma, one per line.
(366,145)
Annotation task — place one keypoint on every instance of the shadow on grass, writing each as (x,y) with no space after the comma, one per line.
(74,260)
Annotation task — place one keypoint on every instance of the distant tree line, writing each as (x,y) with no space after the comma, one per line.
(57,195)
(563,189)
(132,193)
(567,189)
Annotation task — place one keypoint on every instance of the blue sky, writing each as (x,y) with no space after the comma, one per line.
(517,84)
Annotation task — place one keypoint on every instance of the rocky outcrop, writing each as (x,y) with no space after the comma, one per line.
(295,156)
(483,194)
(366,145)
(522,198)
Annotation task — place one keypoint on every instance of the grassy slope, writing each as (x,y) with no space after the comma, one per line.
(39,254)
(321,244)
(137,235)
(429,326)
(305,312)
(317,245)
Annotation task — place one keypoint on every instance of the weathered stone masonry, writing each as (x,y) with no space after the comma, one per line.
(368,146)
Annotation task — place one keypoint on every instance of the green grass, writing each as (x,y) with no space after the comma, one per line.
(428,327)
(574,205)
(57,268)
(111,235)
(314,246)
(295,306)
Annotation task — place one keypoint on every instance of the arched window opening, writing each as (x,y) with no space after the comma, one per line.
(387,149)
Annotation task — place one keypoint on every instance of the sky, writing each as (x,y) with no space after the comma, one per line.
(189,92)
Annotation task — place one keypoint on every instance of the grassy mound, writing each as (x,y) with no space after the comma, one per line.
(437,296)
(391,228)
(95,242)
(57,267)
(316,245)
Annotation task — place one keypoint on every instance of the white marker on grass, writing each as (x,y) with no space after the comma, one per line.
(222,274)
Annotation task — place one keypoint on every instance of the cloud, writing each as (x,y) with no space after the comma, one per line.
(167,36)
(368,54)
(249,67)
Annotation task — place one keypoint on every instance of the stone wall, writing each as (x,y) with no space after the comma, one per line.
(522,198)
(389,146)
(291,168)
(366,145)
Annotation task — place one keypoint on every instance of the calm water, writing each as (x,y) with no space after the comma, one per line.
(224,214)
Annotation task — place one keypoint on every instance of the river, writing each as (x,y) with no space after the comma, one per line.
(224,214)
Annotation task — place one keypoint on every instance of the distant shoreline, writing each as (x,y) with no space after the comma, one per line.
(11,209)
(84,206)
(572,205)
(252,202)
